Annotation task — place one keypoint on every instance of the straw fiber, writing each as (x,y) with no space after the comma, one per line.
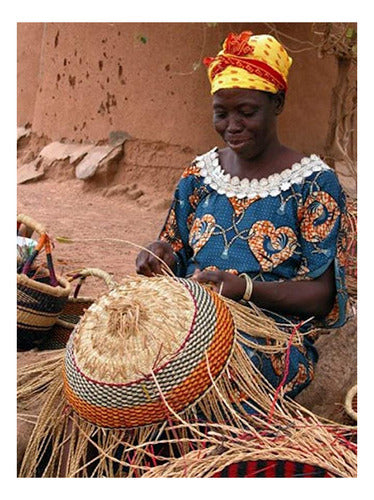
(351,250)
(152,384)
(74,308)
(108,379)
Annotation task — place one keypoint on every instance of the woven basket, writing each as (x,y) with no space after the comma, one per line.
(272,468)
(74,309)
(39,300)
(165,341)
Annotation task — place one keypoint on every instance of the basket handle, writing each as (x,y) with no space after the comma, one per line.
(91,271)
(43,241)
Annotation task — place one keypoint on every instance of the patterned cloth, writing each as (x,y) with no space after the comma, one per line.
(257,62)
(288,226)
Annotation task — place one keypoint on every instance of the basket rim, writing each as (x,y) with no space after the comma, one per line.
(83,298)
(62,290)
(31,223)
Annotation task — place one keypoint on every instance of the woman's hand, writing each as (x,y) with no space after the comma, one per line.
(227,284)
(149,265)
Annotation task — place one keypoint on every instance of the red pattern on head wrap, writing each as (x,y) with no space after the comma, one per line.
(253,66)
(238,44)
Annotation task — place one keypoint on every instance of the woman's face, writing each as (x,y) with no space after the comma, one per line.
(246,119)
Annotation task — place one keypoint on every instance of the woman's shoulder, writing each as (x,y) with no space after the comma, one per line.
(200,163)
(316,171)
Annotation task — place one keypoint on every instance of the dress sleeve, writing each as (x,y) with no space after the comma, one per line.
(321,217)
(180,216)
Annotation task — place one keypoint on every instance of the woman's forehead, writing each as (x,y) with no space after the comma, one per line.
(238,97)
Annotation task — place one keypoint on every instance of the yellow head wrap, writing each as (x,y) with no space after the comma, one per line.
(257,62)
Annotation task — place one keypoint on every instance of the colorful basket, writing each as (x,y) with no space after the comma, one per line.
(272,468)
(150,348)
(74,308)
(39,300)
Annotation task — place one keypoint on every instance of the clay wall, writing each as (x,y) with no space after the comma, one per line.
(82,81)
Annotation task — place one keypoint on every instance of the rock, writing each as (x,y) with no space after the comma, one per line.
(94,159)
(22,132)
(61,151)
(30,171)
(118,137)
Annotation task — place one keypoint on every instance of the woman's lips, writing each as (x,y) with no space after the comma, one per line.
(236,143)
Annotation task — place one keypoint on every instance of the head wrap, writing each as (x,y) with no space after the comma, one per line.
(257,62)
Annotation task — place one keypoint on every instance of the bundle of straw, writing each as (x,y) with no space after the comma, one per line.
(304,440)
(351,250)
(138,394)
(136,347)
(74,307)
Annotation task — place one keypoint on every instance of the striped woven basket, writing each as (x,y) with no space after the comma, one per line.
(74,308)
(273,468)
(151,383)
(39,300)
(148,354)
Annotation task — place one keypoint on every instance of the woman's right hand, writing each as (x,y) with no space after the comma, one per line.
(149,265)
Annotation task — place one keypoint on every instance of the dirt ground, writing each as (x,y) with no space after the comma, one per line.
(93,217)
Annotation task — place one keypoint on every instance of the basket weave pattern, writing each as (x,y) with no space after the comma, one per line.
(73,309)
(181,380)
(39,301)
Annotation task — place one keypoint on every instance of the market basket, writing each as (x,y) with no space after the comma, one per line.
(74,308)
(40,299)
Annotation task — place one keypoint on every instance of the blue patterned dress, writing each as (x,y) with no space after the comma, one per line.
(284,227)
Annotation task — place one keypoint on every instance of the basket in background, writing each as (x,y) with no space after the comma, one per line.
(74,308)
(40,300)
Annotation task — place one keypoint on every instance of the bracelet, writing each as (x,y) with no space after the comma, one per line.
(248,287)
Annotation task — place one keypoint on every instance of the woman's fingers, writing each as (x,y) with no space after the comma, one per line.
(151,261)
(208,276)
(147,264)
(212,278)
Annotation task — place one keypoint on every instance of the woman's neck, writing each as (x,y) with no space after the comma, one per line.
(274,159)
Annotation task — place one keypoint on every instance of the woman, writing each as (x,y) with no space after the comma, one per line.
(257,219)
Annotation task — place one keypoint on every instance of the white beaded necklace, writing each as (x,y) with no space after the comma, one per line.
(223,183)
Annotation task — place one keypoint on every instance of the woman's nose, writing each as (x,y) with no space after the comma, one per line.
(234,124)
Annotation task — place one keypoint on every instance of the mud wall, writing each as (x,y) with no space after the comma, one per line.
(82,81)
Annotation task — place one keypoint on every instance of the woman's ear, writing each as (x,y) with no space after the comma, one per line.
(279,100)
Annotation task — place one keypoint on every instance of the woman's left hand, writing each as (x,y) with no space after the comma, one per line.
(227,284)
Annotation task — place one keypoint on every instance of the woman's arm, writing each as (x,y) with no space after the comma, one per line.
(300,298)
(172,246)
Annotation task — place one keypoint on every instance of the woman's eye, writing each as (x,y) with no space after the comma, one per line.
(219,115)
